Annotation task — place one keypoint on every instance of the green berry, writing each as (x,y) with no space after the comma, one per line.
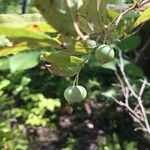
(75,94)
(90,44)
(104,53)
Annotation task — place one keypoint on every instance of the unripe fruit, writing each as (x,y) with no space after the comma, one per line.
(75,94)
(104,53)
(91,44)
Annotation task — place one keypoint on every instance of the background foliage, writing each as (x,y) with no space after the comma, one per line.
(33,111)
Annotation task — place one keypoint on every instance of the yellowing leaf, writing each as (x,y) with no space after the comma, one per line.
(62,59)
(145,16)
(27,45)
(25,39)
(112,14)
(80,47)
(17,32)
(40,26)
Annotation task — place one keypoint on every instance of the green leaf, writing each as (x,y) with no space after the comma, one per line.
(109,93)
(4,41)
(77,46)
(133,70)
(59,14)
(63,71)
(24,61)
(110,65)
(4,83)
(132,15)
(62,59)
(112,14)
(4,64)
(145,16)
(129,43)
(50,104)
(36,120)
(95,14)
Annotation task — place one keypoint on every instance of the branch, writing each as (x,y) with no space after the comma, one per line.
(125,77)
(138,118)
(143,88)
(138,96)
(117,20)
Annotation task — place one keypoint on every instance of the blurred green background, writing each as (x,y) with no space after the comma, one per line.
(34,114)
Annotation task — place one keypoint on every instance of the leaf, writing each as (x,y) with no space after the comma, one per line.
(134,70)
(62,59)
(25,39)
(110,65)
(4,84)
(76,46)
(24,61)
(132,15)
(94,13)
(129,43)
(109,93)
(36,120)
(59,14)
(4,64)
(40,27)
(30,44)
(112,14)
(63,71)
(51,104)
(80,47)
(67,41)
(4,41)
(145,16)
(17,32)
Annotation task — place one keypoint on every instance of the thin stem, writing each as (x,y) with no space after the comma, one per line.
(75,23)
(121,82)
(138,97)
(116,21)
(144,115)
(125,77)
(128,108)
(143,88)
(76,80)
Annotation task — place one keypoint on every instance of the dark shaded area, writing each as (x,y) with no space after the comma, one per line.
(88,130)
(24,6)
(144,49)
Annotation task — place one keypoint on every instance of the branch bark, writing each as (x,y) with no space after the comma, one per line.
(138,113)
